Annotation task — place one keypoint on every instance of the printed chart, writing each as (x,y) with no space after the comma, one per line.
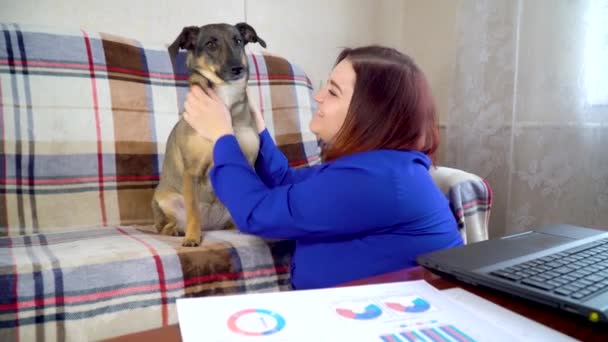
(394,312)
(363,310)
(440,333)
(384,307)
(408,304)
(255,322)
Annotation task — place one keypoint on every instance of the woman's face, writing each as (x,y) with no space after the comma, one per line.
(333,101)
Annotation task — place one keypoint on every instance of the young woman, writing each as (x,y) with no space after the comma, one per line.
(372,206)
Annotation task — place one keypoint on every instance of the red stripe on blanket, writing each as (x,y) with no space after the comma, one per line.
(104,179)
(83,66)
(474,203)
(102,201)
(161,286)
(483,205)
(159,270)
(43,181)
(235,275)
(490,194)
(284,77)
(305,162)
(94,296)
(490,197)
(167,76)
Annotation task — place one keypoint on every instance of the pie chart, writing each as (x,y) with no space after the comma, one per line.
(416,305)
(256,322)
(369,312)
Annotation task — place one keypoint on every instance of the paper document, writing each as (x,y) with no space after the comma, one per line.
(394,312)
(521,327)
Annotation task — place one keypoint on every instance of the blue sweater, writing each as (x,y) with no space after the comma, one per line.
(360,215)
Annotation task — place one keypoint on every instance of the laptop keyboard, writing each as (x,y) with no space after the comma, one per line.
(578,272)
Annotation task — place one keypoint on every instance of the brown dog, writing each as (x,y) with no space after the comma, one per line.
(184,198)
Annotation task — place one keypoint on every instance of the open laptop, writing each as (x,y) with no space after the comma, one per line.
(563,266)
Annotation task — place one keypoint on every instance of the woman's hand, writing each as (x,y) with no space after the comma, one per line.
(207,114)
(255,113)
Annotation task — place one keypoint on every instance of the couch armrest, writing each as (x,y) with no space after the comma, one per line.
(470,199)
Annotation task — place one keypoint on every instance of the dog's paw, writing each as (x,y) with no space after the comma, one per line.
(191,242)
(170,229)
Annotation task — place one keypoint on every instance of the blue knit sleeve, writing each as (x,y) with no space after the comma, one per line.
(336,201)
(273,167)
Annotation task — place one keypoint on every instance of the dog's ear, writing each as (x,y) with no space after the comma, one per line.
(186,40)
(249,34)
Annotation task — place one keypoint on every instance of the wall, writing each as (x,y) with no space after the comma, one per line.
(520,111)
(429,36)
(309,33)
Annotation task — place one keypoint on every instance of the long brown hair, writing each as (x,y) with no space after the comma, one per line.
(391,108)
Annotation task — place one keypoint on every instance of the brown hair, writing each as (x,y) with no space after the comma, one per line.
(391,108)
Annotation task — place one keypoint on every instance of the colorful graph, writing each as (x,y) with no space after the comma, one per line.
(443,333)
(256,322)
(371,311)
(416,305)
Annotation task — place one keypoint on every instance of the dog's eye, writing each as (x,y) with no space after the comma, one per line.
(238,41)
(211,45)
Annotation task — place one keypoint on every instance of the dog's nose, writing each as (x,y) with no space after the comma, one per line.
(237,70)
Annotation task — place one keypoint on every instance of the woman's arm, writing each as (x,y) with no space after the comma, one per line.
(273,167)
(338,201)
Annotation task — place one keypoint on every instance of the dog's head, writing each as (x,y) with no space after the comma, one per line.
(217,51)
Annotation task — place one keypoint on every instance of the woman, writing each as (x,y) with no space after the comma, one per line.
(372,206)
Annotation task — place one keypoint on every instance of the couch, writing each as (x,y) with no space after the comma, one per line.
(84,117)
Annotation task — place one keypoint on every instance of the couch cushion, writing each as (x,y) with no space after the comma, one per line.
(84,117)
(98,283)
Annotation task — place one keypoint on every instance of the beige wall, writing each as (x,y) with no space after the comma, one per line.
(312,33)
(309,33)
(430,38)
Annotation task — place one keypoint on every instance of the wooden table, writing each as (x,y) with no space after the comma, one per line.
(569,324)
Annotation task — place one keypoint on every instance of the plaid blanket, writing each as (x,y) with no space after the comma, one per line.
(84,117)
(98,283)
(470,201)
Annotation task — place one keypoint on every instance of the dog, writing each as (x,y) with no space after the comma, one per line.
(184,199)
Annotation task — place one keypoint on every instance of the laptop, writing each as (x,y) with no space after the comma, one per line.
(561,265)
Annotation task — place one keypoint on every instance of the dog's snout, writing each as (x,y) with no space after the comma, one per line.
(236,71)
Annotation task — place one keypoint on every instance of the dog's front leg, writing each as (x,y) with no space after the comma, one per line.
(190,186)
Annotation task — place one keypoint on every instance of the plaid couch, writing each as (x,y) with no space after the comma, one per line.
(84,117)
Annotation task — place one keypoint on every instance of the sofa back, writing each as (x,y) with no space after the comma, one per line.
(84,117)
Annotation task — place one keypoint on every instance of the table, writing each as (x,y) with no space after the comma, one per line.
(567,323)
